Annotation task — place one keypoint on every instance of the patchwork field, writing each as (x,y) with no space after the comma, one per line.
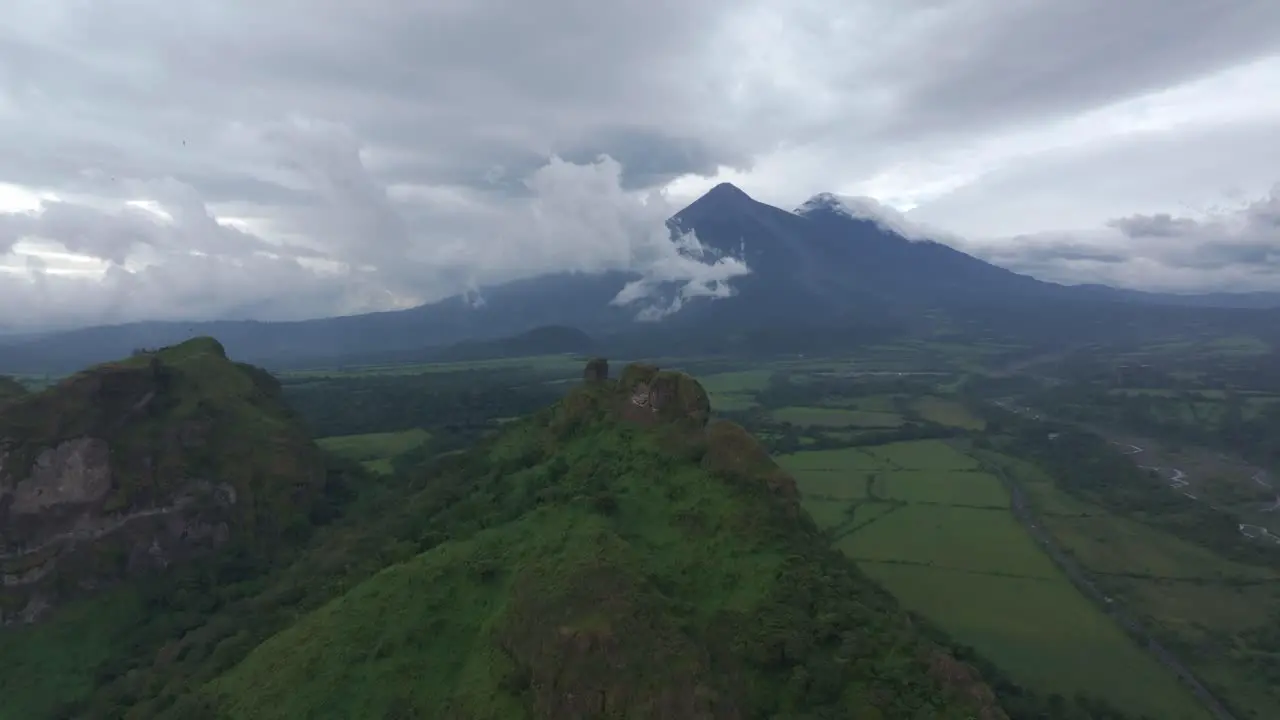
(947,412)
(374,450)
(925,520)
(1219,614)
(836,417)
(568,363)
(734,391)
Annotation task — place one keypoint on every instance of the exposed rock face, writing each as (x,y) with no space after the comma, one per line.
(75,472)
(597,370)
(130,467)
(646,395)
(654,394)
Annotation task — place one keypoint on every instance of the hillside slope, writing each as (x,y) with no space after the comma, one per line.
(612,556)
(10,389)
(135,465)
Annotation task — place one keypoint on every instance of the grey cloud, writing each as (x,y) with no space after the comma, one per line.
(995,62)
(1040,252)
(402,150)
(1154,226)
(1221,249)
(183,287)
(1236,248)
(464,86)
(651,157)
(1173,173)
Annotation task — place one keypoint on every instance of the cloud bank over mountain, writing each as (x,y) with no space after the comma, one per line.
(280,159)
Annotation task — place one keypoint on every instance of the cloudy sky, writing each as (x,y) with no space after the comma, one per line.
(295,158)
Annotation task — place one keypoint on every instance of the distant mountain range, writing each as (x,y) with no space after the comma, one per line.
(820,267)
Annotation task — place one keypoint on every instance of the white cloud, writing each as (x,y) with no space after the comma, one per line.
(166,256)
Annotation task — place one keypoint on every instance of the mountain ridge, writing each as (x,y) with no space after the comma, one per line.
(820,266)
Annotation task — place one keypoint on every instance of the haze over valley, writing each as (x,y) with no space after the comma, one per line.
(640,360)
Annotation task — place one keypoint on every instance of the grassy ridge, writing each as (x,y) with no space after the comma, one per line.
(609,571)
(594,558)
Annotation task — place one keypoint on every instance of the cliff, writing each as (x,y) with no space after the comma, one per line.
(133,465)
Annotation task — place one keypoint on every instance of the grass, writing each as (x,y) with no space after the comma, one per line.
(375,450)
(1239,345)
(959,538)
(868,403)
(842,460)
(947,412)
(1109,544)
(833,484)
(946,488)
(923,455)
(1042,632)
(836,417)
(567,362)
(1211,609)
(735,382)
(562,601)
(412,637)
(827,513)
(42,663)
(734,391)
(927,522)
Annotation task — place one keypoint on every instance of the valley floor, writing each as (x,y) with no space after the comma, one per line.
(935,526)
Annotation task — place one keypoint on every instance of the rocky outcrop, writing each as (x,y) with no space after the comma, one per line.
(132,466)
(76,472)
(597,371)
(647,395)
(651,395)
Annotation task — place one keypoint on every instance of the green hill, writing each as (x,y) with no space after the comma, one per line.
(136,465)
(610,559)
(613,556)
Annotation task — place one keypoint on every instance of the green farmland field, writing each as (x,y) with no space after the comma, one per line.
(374,450)
(836,417)
(924,520)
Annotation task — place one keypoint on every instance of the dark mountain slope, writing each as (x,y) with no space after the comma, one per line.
(546,340)
(920,272)
(564,299)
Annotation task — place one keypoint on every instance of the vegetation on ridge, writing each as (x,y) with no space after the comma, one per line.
(10,389)
(597,567)
(905,479)
(163,454)
(597,559)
